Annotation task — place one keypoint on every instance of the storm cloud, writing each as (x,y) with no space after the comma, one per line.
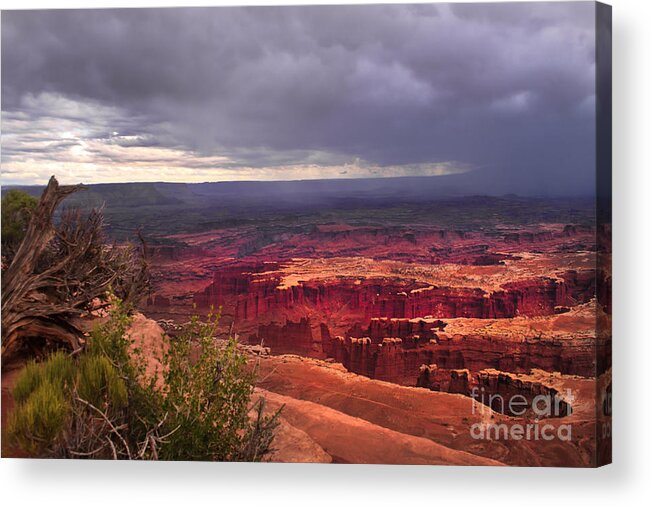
(200,94)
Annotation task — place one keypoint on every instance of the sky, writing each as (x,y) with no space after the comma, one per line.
(282,93)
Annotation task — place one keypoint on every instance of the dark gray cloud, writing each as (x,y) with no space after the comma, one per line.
(507,86)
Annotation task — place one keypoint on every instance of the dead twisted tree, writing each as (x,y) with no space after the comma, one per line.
(61,273)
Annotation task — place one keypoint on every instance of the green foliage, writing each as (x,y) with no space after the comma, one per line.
(99,383)
(58,370)
(40,418)
(101,403)
(208,390)
(110,339)
(29,380)
(17,207)
(48,397)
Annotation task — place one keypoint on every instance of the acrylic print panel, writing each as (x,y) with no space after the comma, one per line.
(333,234)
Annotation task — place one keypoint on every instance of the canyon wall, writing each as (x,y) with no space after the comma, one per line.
(291,337)
(329,291)
(248,295)
(503,392)
(405,325)
(399,360)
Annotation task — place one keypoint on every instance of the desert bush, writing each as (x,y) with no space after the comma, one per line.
(17,207)
(28,381)
(101,404)
(59,403)
(39,419)
(99,383)
(208,389)
(58,370)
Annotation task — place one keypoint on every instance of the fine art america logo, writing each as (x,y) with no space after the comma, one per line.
(536,412)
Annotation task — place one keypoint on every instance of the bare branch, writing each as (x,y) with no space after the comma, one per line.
(61,273)
(108,421)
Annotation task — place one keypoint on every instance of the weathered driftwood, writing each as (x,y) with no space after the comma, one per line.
(60,273)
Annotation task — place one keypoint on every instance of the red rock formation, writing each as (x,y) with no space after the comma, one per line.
(399,359)
(380,328)
(252,292)
(381,314)
(504,392)
(248,295)
(438,416)
(295,337)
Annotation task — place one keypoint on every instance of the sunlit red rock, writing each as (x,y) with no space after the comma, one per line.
(446,310)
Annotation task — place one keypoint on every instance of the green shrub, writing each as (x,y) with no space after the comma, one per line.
(208,394)
(37,422)
(59,370)
(99,383)
(17,208)
(29,380)
(101,404)
(110,339)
